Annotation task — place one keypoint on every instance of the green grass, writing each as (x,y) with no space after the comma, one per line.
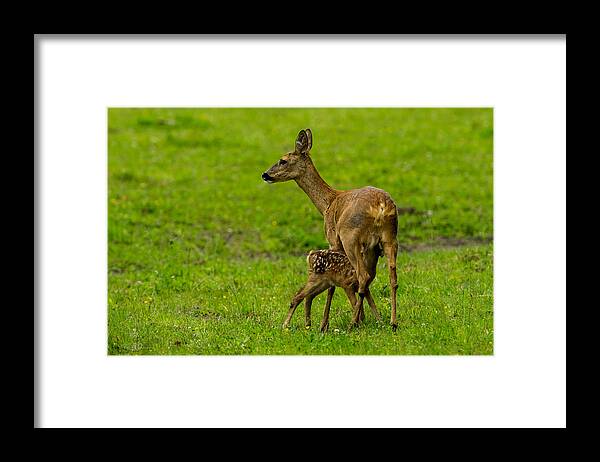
(204,257)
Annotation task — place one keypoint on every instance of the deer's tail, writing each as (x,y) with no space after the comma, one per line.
(383,210)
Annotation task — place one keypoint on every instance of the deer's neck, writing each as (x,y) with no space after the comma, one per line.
(319,192)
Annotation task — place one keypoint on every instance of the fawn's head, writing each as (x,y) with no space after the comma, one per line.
(293,164)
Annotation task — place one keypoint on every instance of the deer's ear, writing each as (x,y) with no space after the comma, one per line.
(309,135)
(304,141)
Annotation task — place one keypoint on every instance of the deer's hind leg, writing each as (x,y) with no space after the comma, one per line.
(325,320)
(368,263)
(315,290)
(307,309)
(390,249)
(314,286)
(371,258)
(353,252)
(372,305)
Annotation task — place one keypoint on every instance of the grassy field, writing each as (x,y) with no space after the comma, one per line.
(204,257)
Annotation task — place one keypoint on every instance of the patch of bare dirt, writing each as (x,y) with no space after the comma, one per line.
(445,242)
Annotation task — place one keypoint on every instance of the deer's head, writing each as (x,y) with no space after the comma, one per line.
(293,164)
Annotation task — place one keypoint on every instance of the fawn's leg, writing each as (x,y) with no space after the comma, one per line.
(307,308)
(294,303)
(351,297)
(361,314)
(332,236)
(325,320)
(372,305)
(314,287)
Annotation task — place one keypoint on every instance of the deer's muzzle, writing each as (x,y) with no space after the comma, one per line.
(266,177)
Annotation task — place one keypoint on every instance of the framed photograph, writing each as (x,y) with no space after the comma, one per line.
(215,223)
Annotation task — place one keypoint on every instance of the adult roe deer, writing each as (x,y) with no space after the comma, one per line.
(362,223)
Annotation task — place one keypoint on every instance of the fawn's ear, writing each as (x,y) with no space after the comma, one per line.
(304,141)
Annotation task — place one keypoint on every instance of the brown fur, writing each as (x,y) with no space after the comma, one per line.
(362,223)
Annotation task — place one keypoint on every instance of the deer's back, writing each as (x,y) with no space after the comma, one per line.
(368,213)
(333,266)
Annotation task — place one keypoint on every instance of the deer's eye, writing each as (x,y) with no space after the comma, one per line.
(282,162)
